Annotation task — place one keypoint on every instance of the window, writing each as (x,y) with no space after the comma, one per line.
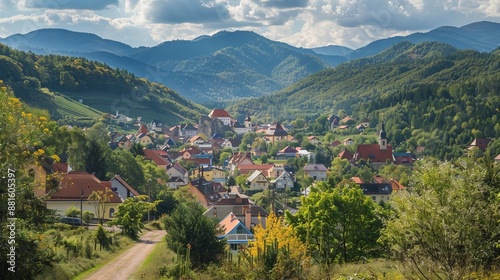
(234,247)
(374,198)
(111,212)
(239,229)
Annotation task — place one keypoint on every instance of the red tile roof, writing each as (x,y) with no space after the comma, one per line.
(219,113)
(345,154)
(73,183)
(250,168)
(142,130)
(357,180)
(373,153)
(153,156)
(396,186)
(229,223)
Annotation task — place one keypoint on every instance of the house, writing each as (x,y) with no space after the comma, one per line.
(347,120)
(347,141)
(156,157)
(122,188)
(156,125)
(313,140)
(126,142)
(497,158)
(287,152)
(233,144)
(276,133)
(257,181)
(283,181)
(366,123)
(75,189)
(176,170)
(345,154)
(377,191)
(188,130)
(222,115)
(238,159)
(143,129)
(144,139)
(377,154)
(234,231)
(175,182)
(334,121)
(396,186)
(480,143)
(196,140)
(266,169)
(206,193)
(403,158)
(305,153)
(317,171)
(241,129)
(248,213)
(121,119)
(343,127)
(357,180)
(360,127)
(210,173)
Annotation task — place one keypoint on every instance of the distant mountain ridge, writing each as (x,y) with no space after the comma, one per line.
(239,64)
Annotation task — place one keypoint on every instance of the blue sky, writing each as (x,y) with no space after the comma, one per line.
(303,23)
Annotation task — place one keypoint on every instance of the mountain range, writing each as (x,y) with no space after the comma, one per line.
(231,65)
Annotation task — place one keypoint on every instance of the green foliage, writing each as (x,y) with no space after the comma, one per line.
(428,95)
(448,226)
(337,224)
(87,216)
(130,213)
(78,78)
(189,228)
(73,212)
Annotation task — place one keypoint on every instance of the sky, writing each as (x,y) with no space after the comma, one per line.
(301,23)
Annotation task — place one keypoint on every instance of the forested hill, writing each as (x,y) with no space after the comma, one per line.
(45,80)
(427,94)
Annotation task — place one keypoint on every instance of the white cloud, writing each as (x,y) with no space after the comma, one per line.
(68,4)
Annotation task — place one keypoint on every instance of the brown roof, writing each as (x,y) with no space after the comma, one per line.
(335,143)
(239,157)
(481,143)
(229,223)
(345,154)
(142,130)
(396,186)
(153,156)
(288,149)
(373,153)
(73,183)
(219,113)
(276,130)
(249,168)
(315,167)
(357,180)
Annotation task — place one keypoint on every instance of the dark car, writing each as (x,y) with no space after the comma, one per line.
(72,221)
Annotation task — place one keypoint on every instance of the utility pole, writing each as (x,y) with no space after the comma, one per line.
(81,207)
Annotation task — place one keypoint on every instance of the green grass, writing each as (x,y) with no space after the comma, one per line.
(150,268)
(62,105)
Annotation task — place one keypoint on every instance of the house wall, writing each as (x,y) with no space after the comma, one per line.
(62,206)
(319,175)
(120,189)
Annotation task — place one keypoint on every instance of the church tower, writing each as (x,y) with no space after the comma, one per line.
(248,123)
(382,139)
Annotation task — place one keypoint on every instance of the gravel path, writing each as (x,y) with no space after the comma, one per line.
(124,266)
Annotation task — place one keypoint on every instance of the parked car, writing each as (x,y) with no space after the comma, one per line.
(72,221)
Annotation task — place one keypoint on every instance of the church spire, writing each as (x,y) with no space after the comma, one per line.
(382,139)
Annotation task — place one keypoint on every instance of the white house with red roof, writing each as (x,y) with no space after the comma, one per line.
(222,115)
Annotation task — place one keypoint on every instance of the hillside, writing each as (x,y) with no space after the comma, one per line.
(224,66)
(428,94)
(76,89)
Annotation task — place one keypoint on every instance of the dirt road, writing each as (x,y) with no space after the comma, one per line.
(124,266)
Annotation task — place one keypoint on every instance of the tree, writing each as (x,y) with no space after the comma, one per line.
(447,228)
(277,252)
(73,212)
(187,225)
(100,198)
(337,224)
(87,216)
(130,214)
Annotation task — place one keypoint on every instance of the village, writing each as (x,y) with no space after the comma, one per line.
(230,172)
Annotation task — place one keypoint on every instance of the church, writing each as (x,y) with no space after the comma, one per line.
(375,154)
